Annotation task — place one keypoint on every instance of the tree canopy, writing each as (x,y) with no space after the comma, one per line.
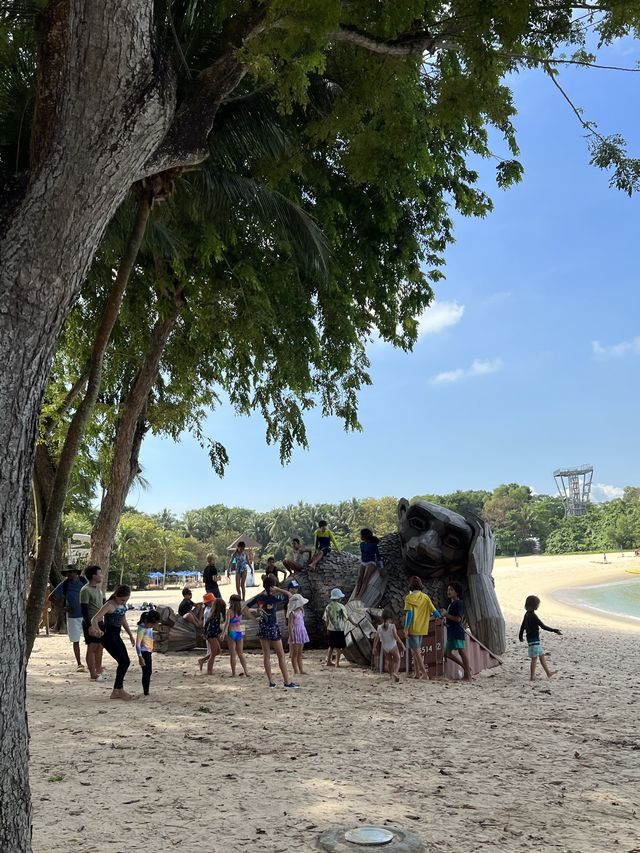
(522,523)
(386,104)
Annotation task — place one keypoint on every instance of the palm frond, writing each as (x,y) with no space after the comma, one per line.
(247,131)
(227,196)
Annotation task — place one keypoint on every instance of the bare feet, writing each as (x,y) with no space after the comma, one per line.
(329,663)
(553,672)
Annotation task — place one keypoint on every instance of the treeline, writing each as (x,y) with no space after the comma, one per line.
(522,522)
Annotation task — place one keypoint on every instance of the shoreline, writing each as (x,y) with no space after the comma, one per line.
(549,576)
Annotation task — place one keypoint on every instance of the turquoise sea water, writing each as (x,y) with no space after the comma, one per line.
(621,598)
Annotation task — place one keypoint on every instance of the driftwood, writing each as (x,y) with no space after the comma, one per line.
(175,634)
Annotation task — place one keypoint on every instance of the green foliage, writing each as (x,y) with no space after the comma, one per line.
(610,153)
(143,545)
(519,519)
(323,214)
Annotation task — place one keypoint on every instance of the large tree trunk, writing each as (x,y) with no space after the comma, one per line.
(130,431)
(79,421)
(44,472)
(100,113)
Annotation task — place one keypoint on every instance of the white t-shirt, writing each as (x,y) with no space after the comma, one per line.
(386,638)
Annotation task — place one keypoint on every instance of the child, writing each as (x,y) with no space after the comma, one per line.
(187,609)
(114,614)
(323,540)
(297,631)
(272,569)
(387,636)
(335,616)
(241,563)
(456,635)
(269,631)
(299,560)
(235,636)
(418,609)
(531,625)
(91,600)
(144,646)
(370,560)
(214,612)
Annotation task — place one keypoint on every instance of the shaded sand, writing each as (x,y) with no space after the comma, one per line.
(212,764)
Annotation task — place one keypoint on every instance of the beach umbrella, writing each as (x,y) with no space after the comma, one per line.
(154,575)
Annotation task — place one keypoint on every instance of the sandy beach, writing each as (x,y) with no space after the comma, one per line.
(212,764)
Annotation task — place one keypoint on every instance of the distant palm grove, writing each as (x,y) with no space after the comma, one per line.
(523,522)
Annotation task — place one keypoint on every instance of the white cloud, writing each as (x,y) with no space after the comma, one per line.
(477,368)
(439,316)
(616,350)
(603,492)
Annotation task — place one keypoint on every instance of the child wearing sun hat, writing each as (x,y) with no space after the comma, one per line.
(297,631)
(335,617)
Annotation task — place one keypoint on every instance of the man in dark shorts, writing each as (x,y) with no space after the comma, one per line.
(211,576)
(91,600)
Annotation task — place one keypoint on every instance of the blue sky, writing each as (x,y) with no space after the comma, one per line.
(528,361)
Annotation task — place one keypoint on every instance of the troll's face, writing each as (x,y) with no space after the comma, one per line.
(435,540)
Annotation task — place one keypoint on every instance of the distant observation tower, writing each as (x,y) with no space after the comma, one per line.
(574,487)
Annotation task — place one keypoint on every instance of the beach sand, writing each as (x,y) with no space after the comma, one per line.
(208,765)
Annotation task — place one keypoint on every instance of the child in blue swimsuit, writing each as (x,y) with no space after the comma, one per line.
(235,635)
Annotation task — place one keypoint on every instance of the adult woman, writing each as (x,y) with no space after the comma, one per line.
(113,615)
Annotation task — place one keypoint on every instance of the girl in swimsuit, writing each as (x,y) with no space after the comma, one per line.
(212,632)
(235,635)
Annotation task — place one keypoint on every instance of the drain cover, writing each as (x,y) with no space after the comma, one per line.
(393,840)
(369,836)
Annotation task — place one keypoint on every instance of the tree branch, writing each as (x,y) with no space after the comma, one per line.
(409,44)
(554,61)
(66,404)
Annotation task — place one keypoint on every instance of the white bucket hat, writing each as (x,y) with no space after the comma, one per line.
(296,602)
(336,594)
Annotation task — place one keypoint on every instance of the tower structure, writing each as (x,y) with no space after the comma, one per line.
(574,487)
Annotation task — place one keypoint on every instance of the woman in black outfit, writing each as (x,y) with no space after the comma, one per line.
(113,616)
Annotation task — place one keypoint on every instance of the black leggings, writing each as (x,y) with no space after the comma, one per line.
(112,642)
(147,669)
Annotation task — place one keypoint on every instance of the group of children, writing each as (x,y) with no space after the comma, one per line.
(103,621)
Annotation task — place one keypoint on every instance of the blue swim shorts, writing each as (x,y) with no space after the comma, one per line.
(535,650)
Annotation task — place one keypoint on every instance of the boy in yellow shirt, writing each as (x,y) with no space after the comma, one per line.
(418,609)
